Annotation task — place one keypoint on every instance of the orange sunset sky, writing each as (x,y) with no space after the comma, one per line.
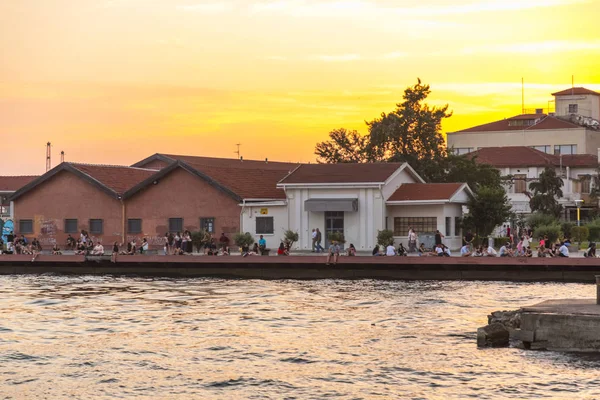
(113,81)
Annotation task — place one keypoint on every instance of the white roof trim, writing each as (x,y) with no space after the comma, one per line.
(326,185)
(416,202)
(410,171)
(265,203)
(464,186)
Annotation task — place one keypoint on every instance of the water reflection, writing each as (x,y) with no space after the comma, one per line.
(206,338)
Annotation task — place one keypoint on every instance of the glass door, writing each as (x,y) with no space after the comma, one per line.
(334,222)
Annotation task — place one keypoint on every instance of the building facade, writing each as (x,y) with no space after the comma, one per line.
(572,129)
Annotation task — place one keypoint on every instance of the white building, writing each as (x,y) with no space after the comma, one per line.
(359,200)
(572,129)
(525,165)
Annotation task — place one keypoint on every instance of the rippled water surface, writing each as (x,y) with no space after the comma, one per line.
(105,337)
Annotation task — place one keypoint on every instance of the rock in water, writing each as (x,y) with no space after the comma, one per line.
(493,335)
(510,319)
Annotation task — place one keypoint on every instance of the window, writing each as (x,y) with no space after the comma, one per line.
(208,224)
(544,149)
(565,149)
(96,226)
(264,225)
(462,150)
(457,223)
(584,184)
(134,225)
(71,225)
(26,226)
(573,108)
(4,210)
(521,122)
(175,224)
(419,224)
(448,225)
(520,182)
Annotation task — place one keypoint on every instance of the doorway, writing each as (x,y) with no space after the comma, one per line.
(334,222)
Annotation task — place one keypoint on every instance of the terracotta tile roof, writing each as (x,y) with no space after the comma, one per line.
(249,179)
(573,91)
(522,156)
(342,173)
(543,122)
(425,191)
(116,177)
(14,183)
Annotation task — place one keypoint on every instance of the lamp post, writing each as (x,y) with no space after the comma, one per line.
(578,203)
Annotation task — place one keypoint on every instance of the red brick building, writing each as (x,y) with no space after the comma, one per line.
(8,186)
(163,193)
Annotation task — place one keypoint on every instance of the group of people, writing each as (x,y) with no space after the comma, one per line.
(20,245)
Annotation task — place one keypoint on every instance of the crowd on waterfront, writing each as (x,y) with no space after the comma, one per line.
(182,244)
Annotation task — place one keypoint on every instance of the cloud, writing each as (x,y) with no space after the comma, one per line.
(365,9)
(206,8)
(394,55)
(336,57)
(549,46)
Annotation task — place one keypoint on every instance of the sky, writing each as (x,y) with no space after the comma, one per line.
(114,81)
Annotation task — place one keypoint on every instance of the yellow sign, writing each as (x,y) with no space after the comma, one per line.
(264,211)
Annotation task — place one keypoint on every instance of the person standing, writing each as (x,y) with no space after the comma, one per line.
(314,239)
(319,238)
(438,237)
(412,240)
(224,241)
(468,240)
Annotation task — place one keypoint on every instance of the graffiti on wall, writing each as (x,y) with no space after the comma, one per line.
(152,240)
(7,228)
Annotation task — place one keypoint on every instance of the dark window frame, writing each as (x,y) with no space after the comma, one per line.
(420,224)
(448,226)
(69,229)
(29,221)
(179,223)
(96,231)
(264,230)
(457,222)
(207,221)
(129,228)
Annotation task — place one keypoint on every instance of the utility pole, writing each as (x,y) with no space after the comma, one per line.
(522,95)
(238,150)
(48,155)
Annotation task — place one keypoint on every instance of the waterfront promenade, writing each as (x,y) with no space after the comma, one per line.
(312,267)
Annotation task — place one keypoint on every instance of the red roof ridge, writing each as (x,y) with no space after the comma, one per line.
(575,90)
(111,166)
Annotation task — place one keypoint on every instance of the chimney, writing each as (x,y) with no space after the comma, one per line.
(267,160)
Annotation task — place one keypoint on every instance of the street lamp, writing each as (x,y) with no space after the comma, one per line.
(578,203)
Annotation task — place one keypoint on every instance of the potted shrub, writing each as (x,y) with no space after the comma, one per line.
(385,237)
(337,236)
(289,238)
(243,240)
(199,239)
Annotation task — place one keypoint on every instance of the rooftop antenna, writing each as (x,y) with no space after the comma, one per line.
(62,156)
(572,84)
(48,155)
(238,150)
(522,96)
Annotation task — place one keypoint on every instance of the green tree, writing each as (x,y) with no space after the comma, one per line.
(546,192)
(488,209)
(385,237)
(343,147)
(455,168)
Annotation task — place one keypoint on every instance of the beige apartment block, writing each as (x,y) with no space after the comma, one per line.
(573,129)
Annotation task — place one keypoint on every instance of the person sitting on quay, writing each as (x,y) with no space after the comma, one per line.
(98,250)
(70,242)
(422,251)
(591,251)
(465,251)
(351,250)
(90,247)
(282,251)
(376,251)
(262,246)
(491,252)
(505,251)
(334,253)
(224,251)
(132,247)
(402,251)
(438,251)
(255,250)
(390,250)
(563,250)
(447,252)
(528,252)
(478,252)
(144,246)
(56,250)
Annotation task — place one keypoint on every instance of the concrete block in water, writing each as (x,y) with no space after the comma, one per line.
(493,335)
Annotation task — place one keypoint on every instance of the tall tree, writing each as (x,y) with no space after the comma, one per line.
(455,168)
(343,147)
(488,209)
(546,192)
(411,133)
